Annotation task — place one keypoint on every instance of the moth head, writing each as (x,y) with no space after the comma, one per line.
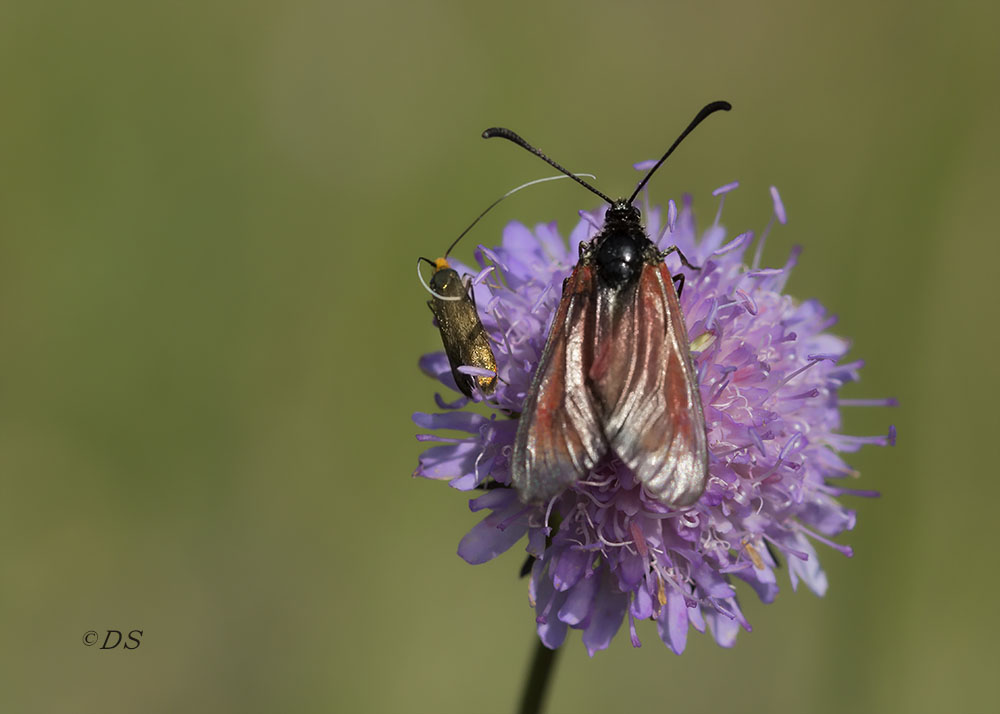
(621,213)
(446,281)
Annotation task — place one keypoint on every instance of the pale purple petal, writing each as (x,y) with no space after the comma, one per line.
(459,421)
(779,207)
(469,481)
(579,601)
(518,240)
(536,542)
(762,581)
(696,618)
(826,515)
(672,624)
(724,629)
(605,619)
(448,461)
(493,535)
(476,371)
(568,567)
(809,570)
(642,604)
(552,632)
(494,500)
(632,571)
(550,241)
(436,365)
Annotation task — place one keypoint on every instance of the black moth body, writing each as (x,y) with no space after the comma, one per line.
(616,376)
(465,341)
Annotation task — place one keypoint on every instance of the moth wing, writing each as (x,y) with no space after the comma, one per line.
(559,438)
(644,382)
(462,334)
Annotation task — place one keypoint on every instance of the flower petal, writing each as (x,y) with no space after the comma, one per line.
(605,618)
(672,624)
(568,567)
(493,535)
(578,603)
(809,570)
(448,461)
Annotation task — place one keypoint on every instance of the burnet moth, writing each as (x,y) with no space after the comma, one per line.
(616,374)
(453,304)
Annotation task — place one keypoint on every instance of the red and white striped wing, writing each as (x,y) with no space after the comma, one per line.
(646,389)
(559,438)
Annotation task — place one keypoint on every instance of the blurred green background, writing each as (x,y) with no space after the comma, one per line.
(210,323)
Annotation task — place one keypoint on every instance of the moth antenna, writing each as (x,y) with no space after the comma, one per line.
(428,288)
(706,110)
(511,136)
(509,193)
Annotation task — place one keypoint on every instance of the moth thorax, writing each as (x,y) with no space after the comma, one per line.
(447,282)
(619,258)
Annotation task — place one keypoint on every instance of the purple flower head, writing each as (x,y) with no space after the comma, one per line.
(604,550)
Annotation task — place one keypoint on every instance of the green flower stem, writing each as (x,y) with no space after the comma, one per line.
(538,679)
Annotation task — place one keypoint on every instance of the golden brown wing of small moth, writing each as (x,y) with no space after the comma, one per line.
(465,341)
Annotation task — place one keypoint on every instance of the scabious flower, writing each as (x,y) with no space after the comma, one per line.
(604,551)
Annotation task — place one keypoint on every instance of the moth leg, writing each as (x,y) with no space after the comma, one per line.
(684,260)
(678,282)
(770,550)
(467,284)
(526,568)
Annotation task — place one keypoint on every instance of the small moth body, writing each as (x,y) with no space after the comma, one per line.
(454,306)
(465,341)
